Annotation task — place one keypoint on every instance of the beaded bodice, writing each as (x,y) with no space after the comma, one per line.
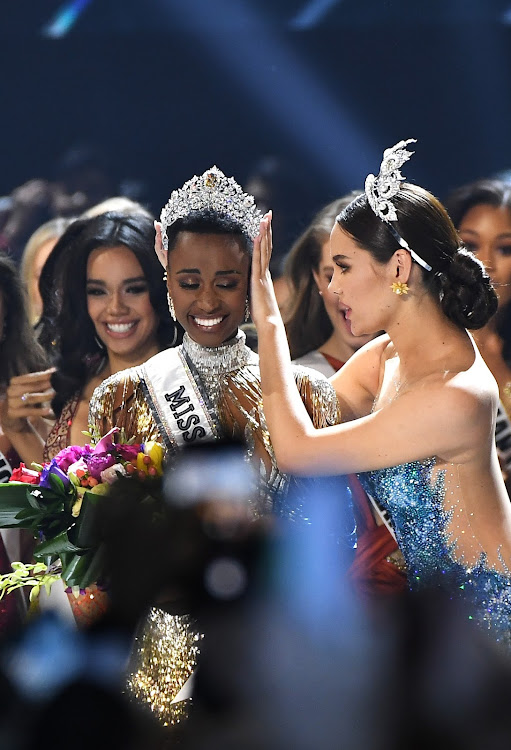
(213,365)
(434,533)
(228,380)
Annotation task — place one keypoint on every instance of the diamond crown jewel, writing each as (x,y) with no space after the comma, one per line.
(381,189)
(215,192)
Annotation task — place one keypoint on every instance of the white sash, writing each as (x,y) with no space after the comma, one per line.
(180,409)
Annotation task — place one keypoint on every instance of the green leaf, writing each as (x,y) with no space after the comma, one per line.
(82,570)
(34,497)
(85,532)
(26,515)
(55,546)
(13,500)
(57,484)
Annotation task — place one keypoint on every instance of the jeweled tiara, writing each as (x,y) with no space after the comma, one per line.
(215,192)
(381,189)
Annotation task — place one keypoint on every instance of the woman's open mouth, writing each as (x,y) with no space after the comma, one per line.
(121,330)
(208,324)
(346,314)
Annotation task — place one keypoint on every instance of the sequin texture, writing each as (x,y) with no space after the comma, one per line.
(227,382)
(429,535)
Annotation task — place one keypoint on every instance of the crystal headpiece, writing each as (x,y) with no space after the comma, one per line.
(381,189)
(215,192)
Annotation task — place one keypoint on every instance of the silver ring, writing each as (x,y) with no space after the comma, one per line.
(24,397)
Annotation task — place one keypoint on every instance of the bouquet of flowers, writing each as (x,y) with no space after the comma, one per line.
(59,502)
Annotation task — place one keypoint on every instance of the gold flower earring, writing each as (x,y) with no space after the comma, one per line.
(400,287)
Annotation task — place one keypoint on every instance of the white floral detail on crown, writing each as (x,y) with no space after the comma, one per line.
(215,192)
(381,189)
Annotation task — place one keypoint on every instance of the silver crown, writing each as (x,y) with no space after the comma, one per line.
(215,192)
(381,189)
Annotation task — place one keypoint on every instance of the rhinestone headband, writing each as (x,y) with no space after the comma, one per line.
(215,192)
(381,189)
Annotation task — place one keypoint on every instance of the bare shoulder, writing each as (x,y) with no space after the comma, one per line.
(474,392)
(462,404)
(357,382)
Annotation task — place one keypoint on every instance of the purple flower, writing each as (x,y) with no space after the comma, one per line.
(69,456)
(98,462)
(128,452)
(105,444)
(52,468)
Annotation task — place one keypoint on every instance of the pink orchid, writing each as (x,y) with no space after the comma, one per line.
(106,442)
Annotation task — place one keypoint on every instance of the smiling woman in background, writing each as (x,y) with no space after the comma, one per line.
(104,310)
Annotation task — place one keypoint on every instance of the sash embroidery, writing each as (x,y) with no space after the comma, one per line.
(177,405)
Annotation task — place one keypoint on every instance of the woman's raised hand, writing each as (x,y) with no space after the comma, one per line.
(158,245)
(28,396)
(263,301)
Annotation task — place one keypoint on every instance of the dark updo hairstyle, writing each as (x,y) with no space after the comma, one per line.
(66,328)
(19,351)
(497,194)
(307,323)
(205,221)
(457,280)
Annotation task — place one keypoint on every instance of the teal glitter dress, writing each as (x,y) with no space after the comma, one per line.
(435,533)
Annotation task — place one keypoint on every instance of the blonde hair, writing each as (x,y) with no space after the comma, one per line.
(120,204)
(52,229)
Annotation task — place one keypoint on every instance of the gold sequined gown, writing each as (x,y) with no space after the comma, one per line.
(228,380)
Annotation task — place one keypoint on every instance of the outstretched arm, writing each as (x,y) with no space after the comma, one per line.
(402,431)
(285,413)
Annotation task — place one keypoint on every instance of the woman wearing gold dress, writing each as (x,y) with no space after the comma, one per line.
(206,389)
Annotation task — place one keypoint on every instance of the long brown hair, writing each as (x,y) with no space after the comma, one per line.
(19,351)
(307,323)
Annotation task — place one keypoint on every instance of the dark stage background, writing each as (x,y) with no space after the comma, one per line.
(165,88)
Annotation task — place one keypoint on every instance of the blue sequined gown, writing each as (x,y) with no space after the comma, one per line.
(436,534)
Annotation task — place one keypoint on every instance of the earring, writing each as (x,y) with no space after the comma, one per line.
(171,307)
(99,342)
(400,287)
(169,300)
(247,311)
